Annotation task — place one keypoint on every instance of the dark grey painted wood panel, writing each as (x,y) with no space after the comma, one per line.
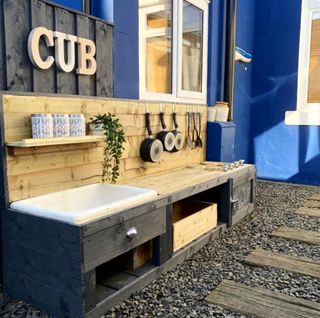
(108,244)
(148,276)
(16,70)
(51,300)
(43,15)
(56,237)
(104,55)
(242,213)
(65,22)
(56,270)
(2,50)
(17,29)
(83,30)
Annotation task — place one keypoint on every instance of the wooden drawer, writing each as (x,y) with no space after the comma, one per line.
(113,241)
(191,219)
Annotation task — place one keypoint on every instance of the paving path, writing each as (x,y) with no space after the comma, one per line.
(264,303)
(261,302)
(310,237)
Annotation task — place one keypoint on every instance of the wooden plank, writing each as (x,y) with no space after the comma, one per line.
(153,272)
(312,204)
(242,213)
(308,211)
(65,22)
(18,67)
(3,79)
(52,300)
(49,268)
(33,151)
(315,197)
(297,235)
(112,242)
(162,245)
(116,280)
(37,179)
(300,265)
(42,15)
(104,36)
(92,36)
(90,292)
(83,30)
(56,237)
(29,142)
(261,303)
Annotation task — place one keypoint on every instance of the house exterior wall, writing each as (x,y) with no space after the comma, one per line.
(264,89)
(268,89)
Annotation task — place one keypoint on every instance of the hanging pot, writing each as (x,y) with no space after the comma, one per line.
(150,149)
(178,136)
(166,137)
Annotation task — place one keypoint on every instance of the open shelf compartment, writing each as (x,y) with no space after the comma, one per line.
(191,219)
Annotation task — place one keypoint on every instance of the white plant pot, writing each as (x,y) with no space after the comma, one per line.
(96,130)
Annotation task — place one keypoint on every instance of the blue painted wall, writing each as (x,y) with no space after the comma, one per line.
(264,89)
(270,30)
(126,49)
(216,51)
(243,80)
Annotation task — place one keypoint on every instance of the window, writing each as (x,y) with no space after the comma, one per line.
(308,101)
(173,50)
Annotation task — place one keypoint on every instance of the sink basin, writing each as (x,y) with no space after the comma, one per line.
(86,203)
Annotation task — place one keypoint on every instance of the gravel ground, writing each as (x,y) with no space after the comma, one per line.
(181,292)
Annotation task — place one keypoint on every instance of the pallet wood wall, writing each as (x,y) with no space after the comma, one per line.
(19,17)
(41,170)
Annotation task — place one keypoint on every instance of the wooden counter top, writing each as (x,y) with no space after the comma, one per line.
(173,181)
(172,186)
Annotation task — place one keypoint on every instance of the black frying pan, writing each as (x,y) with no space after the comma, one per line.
(178,136)
(166,137)
(150,149)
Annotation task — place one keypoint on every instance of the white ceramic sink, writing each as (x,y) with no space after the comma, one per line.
(86,203)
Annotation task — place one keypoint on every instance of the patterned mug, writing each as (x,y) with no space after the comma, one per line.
(77,125)
(42,125)
(61,125)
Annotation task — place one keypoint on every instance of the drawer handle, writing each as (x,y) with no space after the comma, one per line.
(234,201)
(132,232)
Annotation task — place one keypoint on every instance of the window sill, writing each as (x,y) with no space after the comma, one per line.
(303,117)
(170,98)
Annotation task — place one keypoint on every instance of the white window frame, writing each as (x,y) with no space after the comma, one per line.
(177,95)
(306,113)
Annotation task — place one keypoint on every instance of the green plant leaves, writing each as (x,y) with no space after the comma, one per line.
(114,139)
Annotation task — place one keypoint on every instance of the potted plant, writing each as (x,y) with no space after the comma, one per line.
(114,140)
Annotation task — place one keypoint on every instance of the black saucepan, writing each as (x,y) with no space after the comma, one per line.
(166,137)
(150,149)
(178,136)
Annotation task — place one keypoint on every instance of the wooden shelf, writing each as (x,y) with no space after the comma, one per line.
(42,142)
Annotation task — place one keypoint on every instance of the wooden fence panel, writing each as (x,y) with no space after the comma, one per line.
(17,73)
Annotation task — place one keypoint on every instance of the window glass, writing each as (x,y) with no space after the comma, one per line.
(314,64)
(74,4)
(159,49)
(192,47)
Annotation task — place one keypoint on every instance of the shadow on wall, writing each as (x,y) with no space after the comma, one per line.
(281,152)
